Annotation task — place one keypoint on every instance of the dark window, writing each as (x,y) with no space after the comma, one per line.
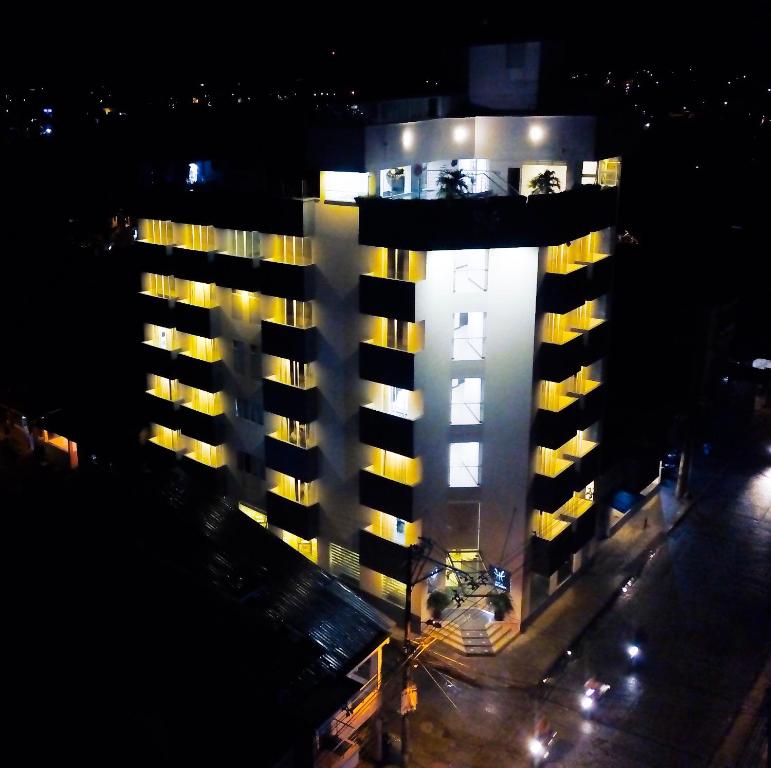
(248,408)
(248,463)
(238,357)
(515,56)
(254,361)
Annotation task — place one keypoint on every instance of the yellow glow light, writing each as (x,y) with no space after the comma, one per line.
(408,138)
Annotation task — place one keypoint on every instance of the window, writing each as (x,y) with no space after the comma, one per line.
(589,172)
(396,401)
(464,465)
(239,361)
(248,408)
(160,337)
(466,401)
(394,591)
(248,463)
(470,271)
(343,186)
(254,361)
(468,336)
(161,286)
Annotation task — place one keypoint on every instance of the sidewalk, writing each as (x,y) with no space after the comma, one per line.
(535,651)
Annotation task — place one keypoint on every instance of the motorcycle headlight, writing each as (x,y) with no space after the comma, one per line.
(536,748)
(633,651)
(586,703)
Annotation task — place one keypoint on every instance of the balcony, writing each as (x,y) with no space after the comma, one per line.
(289,281)
(559,293)
(592,406)
(584,529)
(215,476)
(283,456)
(587,468)
(199,321)
(238,272)
(386,365)
(153,258)
(289,341)
(485,222)
(293,402)
(292,516)
(384,555)
(552,429)
(387,431)
(387,297)
(190,264)
(556,362)
(599,279)
(211,429)
(390,496)
(158,360)
(551,547)
(200,374)
(596,342)
(155,309)
(550,492)
(159,410)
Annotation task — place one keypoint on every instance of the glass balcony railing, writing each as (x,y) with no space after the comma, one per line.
(548,526)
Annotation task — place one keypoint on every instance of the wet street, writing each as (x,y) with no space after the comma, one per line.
(703,599)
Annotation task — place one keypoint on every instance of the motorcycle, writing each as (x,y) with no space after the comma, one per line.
(539,747)
(593,692)
(634,648)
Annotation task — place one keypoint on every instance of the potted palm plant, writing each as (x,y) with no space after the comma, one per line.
(545,183)
(395,178)
(452,183)
(501,604)
(437,601)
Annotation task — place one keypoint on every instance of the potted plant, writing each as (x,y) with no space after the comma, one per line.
(395,177)
(437,601)
(452,183)
(501,604)
(544,183)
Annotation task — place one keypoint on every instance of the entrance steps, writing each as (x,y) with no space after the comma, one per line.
(486,641)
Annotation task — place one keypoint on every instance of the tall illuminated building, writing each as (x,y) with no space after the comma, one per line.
(375,365)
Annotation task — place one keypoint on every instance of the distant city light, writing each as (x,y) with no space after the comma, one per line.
(47,110)
(192,173)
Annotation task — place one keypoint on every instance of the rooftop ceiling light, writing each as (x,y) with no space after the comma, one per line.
(536,134)
(408,138)
(459,134)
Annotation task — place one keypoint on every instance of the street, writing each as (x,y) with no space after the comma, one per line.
(703,600)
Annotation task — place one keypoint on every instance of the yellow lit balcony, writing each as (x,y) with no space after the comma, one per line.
(288,249)
(549,462)
(159,286)
(237,242)
(291,372)
(579,446)
(587,316)
(307,547)
(547,525)
(200,348)
(560,329)
(156,231)
(259,517)
(202,401)
(585,381)
(556,395)
(395,530)
(569,257)
(295,490)
(170,439)
(294,432)
(298,314)
(194,237)
(397,334)
(574,507)
(399,264)
(197,294)
(166,389)
(393,466)
(160,337)
(209,455)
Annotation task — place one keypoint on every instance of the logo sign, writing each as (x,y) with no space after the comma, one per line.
(500,578)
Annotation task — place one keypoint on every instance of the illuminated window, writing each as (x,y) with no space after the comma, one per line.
(466,401)
(609,172)
(307,548)
(468,337)
(293,373)
(392,590)
(167,389)
(531,170)
(343,186)
(295,432)
(171,439)
(198,294)
(394,400)
(245,306)
(295,490)
(202,401)
(204,453)
(158,336)
(470,271)
(396,467)
(589,172)
(289,249)
(202,348)
(395,182)
(156,231)
(194,237)
(298,314)
(238,242)
(465,462)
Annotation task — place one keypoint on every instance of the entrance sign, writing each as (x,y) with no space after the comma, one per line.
(500,578)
